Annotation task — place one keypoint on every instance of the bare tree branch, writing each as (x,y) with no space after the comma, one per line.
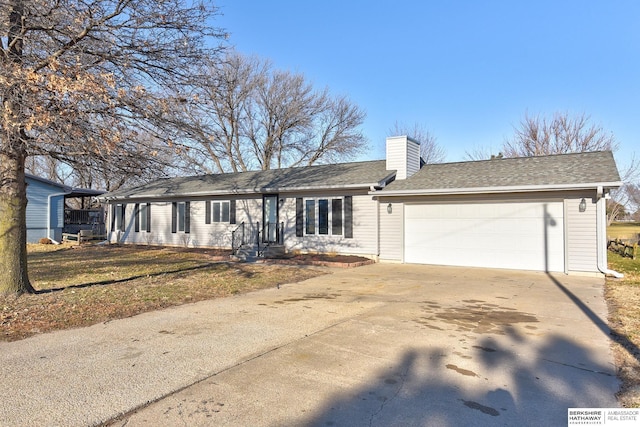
(430,150)
(85,82)
(562,133)
(244,114)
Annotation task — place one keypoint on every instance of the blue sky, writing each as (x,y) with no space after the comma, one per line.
(466,70)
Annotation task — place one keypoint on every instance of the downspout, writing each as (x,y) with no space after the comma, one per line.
(601,227)
(49,212)
(372,189)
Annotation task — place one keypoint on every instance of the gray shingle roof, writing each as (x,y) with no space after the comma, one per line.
(570,170)
(341,175)
(70,191)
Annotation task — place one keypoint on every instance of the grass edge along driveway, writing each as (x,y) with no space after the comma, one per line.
(80,286)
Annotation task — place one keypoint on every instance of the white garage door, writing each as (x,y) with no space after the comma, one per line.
(498,235)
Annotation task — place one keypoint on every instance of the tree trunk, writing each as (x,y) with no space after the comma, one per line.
(13,223)
(13,189)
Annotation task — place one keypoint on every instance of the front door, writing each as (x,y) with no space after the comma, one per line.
(270,218)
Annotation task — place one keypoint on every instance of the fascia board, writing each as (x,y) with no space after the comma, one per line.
(241,192)
(503,189)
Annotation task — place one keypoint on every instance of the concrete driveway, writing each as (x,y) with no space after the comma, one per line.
(378,345)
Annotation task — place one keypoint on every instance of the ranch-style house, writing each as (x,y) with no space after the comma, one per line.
(533,213)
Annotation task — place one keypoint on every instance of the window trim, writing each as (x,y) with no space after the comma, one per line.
(119,217)
(216,208)
(143,217)
(178,226)
(318,211)
(309,221)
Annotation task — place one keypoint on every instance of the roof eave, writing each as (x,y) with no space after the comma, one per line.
(246,191)
(495,190)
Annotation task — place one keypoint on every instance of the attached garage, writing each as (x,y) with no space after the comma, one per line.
(514,235)
(544,213)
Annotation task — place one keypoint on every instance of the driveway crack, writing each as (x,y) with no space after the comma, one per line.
(578,367)
(403,378)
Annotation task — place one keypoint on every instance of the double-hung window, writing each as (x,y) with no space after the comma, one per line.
(220,211)
(145,210)
(118,217)
(223,212)
(142,220)
(181,217)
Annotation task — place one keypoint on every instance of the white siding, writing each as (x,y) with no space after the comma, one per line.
(249,211)
(364,241)
(413,157)
(403,155)
(216,235)
(581,236)
(391,230)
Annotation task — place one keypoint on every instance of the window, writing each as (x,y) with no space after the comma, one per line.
(142,217)
(220,211)
(118,217)
(180,217)
(145,217)
(324,217)
(181,211)
(310,217)
(336,216)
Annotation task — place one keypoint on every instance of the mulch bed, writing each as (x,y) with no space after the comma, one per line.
(323,260)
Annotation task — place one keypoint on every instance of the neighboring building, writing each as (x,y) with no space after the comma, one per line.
(46,213)
(536,213)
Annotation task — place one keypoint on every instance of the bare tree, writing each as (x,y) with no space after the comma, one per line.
(626,198)
(562,133)
(481,153)
(212,114)
(633,190)
(143,163)
(75,77)
(245,115)
(430,150)
(334,135)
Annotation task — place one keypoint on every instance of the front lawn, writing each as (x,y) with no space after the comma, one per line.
(623,300)
(84,285)
(623,230)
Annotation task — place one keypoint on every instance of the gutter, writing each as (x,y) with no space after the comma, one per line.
(601,226)
(501,189)
(372,187)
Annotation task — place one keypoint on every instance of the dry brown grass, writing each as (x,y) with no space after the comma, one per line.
(623,299)
(81,286)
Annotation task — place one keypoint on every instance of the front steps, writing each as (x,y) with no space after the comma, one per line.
(251,253)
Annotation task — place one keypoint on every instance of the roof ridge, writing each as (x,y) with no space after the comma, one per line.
(545,156)
(275,169)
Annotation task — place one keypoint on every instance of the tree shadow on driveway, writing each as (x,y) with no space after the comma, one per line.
(491,371)
(423,388)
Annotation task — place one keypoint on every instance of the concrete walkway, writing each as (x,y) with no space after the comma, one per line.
(377,345)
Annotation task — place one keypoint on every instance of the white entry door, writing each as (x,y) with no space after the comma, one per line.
(514,235)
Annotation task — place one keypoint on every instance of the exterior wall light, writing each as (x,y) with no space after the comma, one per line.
(583,205)
(389,208)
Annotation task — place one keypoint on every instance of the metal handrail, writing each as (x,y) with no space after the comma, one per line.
(234,247)
(279,229)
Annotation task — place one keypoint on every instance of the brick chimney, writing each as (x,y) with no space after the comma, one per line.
(403,155)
